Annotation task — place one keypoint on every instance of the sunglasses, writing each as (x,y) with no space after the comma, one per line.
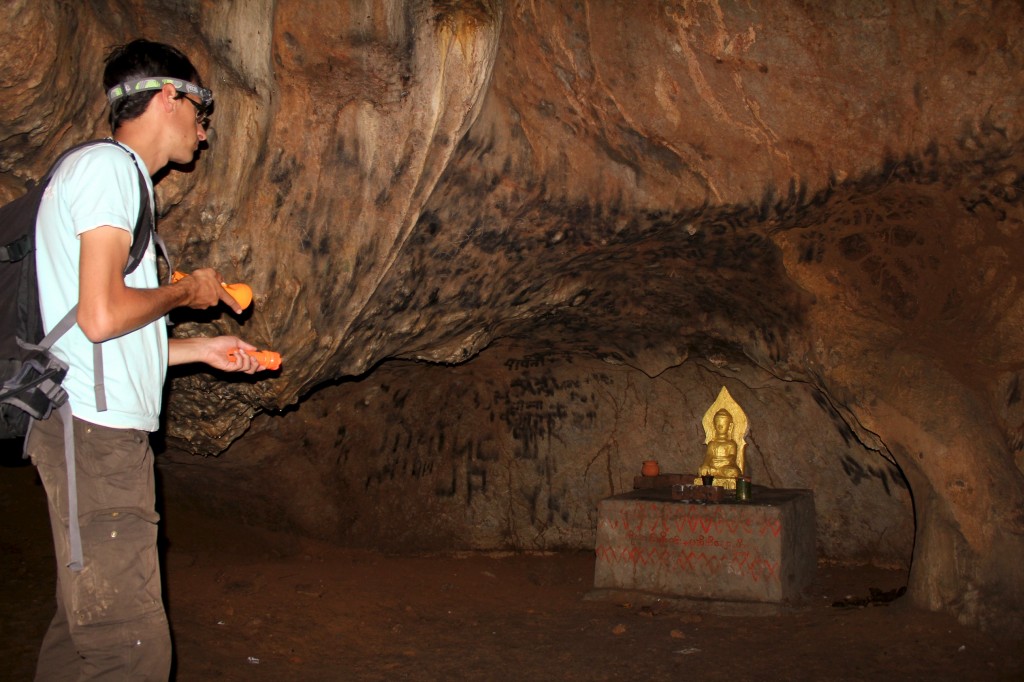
(202,114)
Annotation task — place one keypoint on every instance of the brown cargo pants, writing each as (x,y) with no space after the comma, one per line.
(110,622)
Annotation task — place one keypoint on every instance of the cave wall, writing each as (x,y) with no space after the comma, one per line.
(513,450)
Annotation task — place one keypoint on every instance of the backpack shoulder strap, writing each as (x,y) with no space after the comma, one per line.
(145,223)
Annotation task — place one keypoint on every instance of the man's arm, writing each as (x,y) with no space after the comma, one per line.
(107,308)
(220,352)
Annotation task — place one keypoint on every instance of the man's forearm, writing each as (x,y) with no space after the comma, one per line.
(185,351)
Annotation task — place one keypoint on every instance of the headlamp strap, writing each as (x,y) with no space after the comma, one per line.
(155,83)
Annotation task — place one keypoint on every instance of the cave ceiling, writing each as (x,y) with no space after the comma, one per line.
(648,182)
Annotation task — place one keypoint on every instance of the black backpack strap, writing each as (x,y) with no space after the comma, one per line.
(16,250)
(144,224)
(161,248)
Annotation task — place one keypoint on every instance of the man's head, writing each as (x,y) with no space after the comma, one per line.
(137,71)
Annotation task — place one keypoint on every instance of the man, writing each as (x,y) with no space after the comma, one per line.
(110,621)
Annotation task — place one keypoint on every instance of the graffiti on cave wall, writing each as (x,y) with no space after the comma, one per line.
(538,402)
(517,415)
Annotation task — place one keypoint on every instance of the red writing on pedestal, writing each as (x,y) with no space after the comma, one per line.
(690,541)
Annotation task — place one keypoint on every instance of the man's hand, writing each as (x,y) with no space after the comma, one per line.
(205,289)
(226,353)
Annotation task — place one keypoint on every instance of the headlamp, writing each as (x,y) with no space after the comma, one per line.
(127,88)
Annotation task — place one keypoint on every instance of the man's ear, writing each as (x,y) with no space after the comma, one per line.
(166,97)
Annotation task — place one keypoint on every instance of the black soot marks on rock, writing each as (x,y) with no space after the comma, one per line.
(842,427)
(1013,393)
(858,473)
(283,170)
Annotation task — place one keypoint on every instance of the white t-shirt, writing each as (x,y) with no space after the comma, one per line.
(93,187)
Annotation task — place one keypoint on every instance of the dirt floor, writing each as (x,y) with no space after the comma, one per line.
(247,605)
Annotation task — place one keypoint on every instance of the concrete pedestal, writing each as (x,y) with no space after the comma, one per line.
(757,551)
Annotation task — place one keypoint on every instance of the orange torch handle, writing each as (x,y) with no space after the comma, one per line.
(268,358)
(240,292)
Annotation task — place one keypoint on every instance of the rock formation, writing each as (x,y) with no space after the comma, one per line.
(511,249)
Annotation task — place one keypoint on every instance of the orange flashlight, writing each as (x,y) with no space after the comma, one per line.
(240,292)
(268,358)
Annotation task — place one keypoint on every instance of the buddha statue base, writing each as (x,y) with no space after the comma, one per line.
(726,482)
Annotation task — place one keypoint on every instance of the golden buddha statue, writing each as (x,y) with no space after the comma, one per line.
(723,453)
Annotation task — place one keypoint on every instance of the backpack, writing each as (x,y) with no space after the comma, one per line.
(30,373)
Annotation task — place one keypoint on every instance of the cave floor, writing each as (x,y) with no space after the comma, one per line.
(247,604)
